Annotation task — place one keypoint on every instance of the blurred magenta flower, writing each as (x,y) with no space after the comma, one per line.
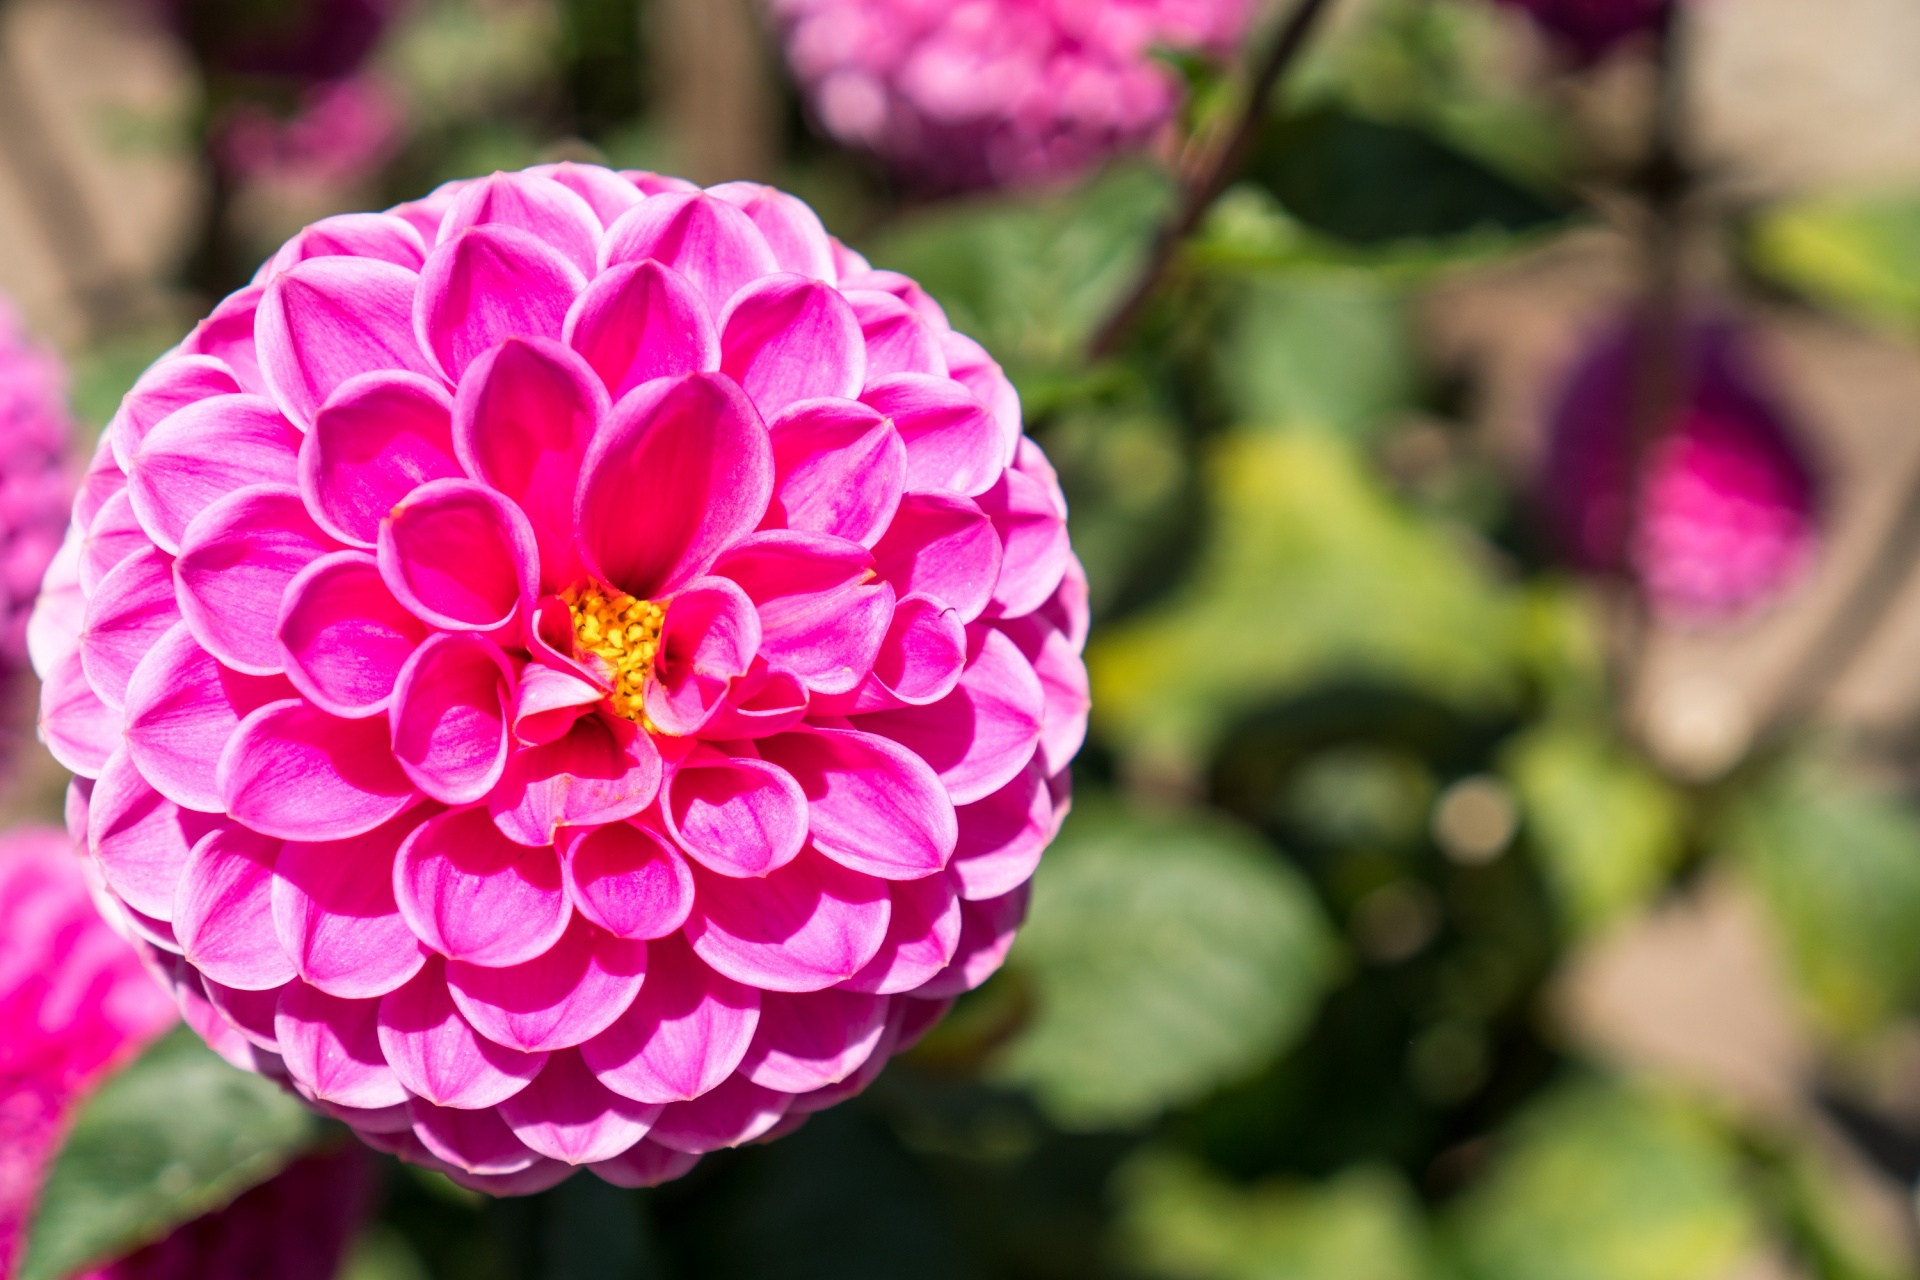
(1727,513)
(75,1002)
(1591,29)
(342,131)
(36,477)
(573,670)
(295,1226)
(994,92)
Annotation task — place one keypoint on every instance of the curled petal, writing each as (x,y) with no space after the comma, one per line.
(536,206)
(327,319)
(952,439)
(1033,533)
(944,546)
(792,230)
(839,468)
(786,338)
(449,717)
(335,914)
(627,879)
(546,702)
(924,652)
(903,288)
(438,1056)
(597,772)
(765,701)
(685,1032)
(873,805)
(293,771)
(710,636)
(354,235)
(475,1140)
(1063,680)
(646,1164)
(570,993)
(923,933)
(471,894)
(810,1040)
(486,284)
(236,560)
(114,535)
(821,616)
(710,242)
(970,365)
(169,385)
(182,709)
(1003,835)
(733,1112)
(641,321)
(734,815)
(140,837)
(332,1048)
(377,438)
(897,339)
(807,926)
(133,608)
(221,913)
(459,555)
(986,935)
(567,1114)
(80,730)
(227,335)
(343,637)
(201,454)
(606,193)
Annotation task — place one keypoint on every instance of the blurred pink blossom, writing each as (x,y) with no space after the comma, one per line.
(343,131)
(36,477)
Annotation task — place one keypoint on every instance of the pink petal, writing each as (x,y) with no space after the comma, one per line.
(485,284)
(627,879)
(682,1036)
(652,184)
(566,1114)
(918,300)
(204,452)
(606,192)
(171,384)
(571,993)
(343,637)
(980,736)
(821,616)
(546,702)
(449,717)
(600,771)
(786,338)
(970,365)
(80,730)
(734,1111)
(922,935)
(182,710)
(897,340)
(459,555)
(536,206)
(335,914)
(736,816)
(952,440)
(114,535)
(710,636)
(1033,534)
(438,1056)
(354,235)
(332,1048)
(549,640)
(471,894)
(642,321)
(526,412)
(140,837)
(807,926)
(764,701)
(873,805)
(425,214)
(924,653)
(227,335)
(839,468)
(694,456)
(221,913)
(646,1164)
(811,1040)
(103,478)
(792,229)
(987,930)
(236,560)
(293,771)
(1003,836)
(899,1011)
(327,319)
(944,546)
(708,241)
(474,1140)
(377,438)
(133,608)
(1063,680)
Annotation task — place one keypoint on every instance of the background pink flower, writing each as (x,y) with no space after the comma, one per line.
(342,131)
(991,92)
(74,1003)
(575,670)
(1728,508)
(36,482)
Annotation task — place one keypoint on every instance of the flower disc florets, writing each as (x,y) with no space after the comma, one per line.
(574,670)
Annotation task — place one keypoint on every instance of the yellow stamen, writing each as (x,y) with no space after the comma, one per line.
(624,633)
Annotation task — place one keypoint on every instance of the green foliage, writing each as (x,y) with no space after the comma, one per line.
(1604,1182)
(1178,1221)
(1167,955)
(1860,254)
(1606,828)
(1839,867)
(177,1134)
(1312,573)
(1126,470)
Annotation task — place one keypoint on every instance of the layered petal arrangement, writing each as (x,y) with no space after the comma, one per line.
(995,92)
(36,479)
(1726,515)
(75,1002)
(576,670)
(1591,29)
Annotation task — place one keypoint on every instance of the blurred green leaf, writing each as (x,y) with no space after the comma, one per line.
(1860,254)
(1838,865)
(178,1134)
(1168,954)
(1126,470)
(1606,828)
(1370,182)
(1312,573)
(1603,1182)
(1180,1222)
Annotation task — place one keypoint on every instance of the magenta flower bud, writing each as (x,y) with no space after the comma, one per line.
(1727,515)
(36,482)
(997,92)
(74,1004)
(1591,29)
(575,670)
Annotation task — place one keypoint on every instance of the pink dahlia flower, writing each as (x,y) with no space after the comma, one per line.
(1728,507)
(1591,29)
(576,670)
(993,92)
(36,484)
(74,1003)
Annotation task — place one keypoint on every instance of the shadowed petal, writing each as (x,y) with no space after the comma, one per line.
(335,915)
(944,546)
(627,879)
(236,560)
(459,555)
(327,319)
(221,914)
(1033,534)
(645,1164)
(839,468)
(987,929)
(810,1040)
(566,1114)
(922,934)
(183,707)
(485,284)
(343,637)
(438,1056)
(897,339)
(710,636)
(332,1048)
(952,439)
(807,926)
(377,438)
(293,771)
(969,364)
(449,717)
(570,993)
(764,701)
(736,816)
(641,321)
(685,1032)
(1003,835)
(733,1112)
(599,771)
(470,893)
(792,229)
(821,615)
(873,805)
(546,703)
(477,1141)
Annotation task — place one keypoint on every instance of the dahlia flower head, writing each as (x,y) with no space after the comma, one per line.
(997,92)
(1591,29)
(36,479)
(75,1002)
(1728,507)
(574,670)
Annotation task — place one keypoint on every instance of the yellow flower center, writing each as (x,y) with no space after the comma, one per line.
(622,632)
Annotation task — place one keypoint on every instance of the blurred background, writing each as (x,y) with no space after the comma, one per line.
(1497,851)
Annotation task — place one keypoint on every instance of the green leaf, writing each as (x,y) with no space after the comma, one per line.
(1838,865)
(1605,827)
(178,1134)
(1602,1182)
(1312,573)
(1859,254)
(1374,183)
(1181,1222)
(1167,955)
